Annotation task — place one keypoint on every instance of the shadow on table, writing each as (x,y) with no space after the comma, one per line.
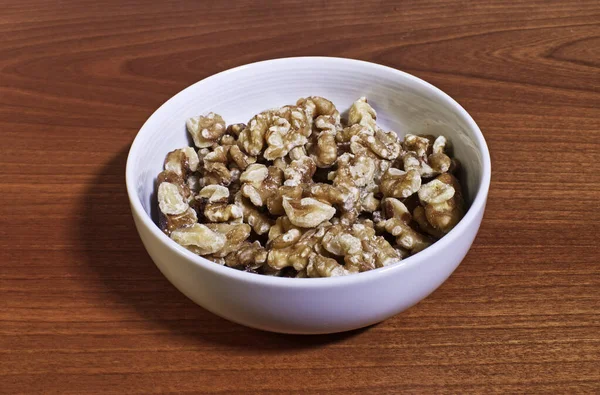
(116,258)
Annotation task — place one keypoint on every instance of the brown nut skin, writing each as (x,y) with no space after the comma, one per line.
(235,129)
(206,129)
(263,186)
(421,219)
(199,239)
(360,247)
(275,201)
(240,158)
(249,256)
(174,178)
(297,255)
(399,184)
(215,170)
(325,151)
(440,162)
(168,223)
(235,234)
(307,212)
(445,215)
(182,161)
(362,113)
(259,222)
(300,171)
(282,225)
(406,237)
(376,251)
(328,193)
(279,130)
(222,212)
(417,144)
(320,266)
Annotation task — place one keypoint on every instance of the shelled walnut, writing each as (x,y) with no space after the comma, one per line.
(298,192)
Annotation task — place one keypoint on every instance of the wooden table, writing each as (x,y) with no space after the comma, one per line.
(83,308)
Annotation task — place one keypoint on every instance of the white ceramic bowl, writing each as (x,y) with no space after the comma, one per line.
(403,103)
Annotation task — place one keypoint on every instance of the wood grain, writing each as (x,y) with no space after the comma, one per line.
(82,307)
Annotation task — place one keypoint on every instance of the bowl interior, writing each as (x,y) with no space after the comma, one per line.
(404,104)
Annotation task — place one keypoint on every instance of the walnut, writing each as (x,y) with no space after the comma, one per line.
(330,194)
(320,266)
(182,161)
(169,222)
(355,178)
(394,208)
(227,140)
(417,144)
(289,129)
(361,248)
(222,212)
(215,167)
(307,212)
(416,155)
(400,184)
(435,191)
(235,129)
(412,161)
(363,114)
(297,255)
(235,234)
(275,202)
(252,180)
(316,106)
(281,226)
(421,219)
(451,180)
(368,202)
(249,256)
(199,239)
(384,145)
(443,215)
(240,158)
(286,239)
(281,130)
(406,237)
(214,194)
(216,208)
(171,200)
(193,183)
(206,130)
(380,165)
(398,224)
(262,186)
(354,171)
(325,151)
(339,241)
(438,160)
(175,179)
(296,153)
(300,171)
(259,222)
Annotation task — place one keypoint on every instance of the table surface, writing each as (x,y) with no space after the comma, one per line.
(84,309)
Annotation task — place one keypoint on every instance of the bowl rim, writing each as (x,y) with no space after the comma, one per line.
(477,205)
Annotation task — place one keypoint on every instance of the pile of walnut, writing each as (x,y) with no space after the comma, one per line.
(297,193)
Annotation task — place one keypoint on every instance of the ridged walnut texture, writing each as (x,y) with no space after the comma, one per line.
(84,310)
